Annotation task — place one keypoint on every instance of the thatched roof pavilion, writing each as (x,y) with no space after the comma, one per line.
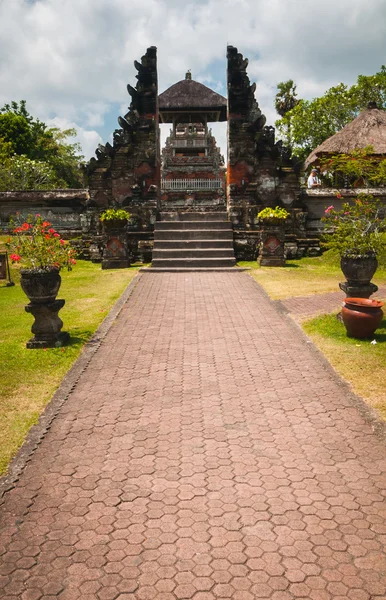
(189,96)
(368,129)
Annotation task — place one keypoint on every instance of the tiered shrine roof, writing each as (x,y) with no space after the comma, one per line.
(189,96)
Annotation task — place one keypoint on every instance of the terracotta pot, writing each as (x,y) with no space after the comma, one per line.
(361,316)
(40,286)
(359,270)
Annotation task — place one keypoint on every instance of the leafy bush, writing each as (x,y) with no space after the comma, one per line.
(273,213)
(356,229)
(115,214)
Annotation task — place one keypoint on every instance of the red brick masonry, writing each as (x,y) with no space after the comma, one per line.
(206,452)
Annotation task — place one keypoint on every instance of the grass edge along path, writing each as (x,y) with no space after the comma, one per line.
(359,362)
(305,276)
(29,378)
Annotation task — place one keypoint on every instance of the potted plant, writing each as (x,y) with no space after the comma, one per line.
(114,218)
(272,236)
(273,216)
(41,253)
(355,232)
(115,249)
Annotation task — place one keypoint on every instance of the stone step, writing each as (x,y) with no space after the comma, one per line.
(193,240)
(194,216)
(173,225)
(192,244)
(178,253)
(193,234)
(193,262)
(193,269)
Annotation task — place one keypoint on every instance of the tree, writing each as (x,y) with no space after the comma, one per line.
(26,136)
(310,122)
(359,168)
(285,99)
(22,173)
(64,158)
(5,150)
(16,131)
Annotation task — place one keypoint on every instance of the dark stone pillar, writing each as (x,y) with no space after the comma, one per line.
(272,246)
(127,173)
(260,172)
(115,247)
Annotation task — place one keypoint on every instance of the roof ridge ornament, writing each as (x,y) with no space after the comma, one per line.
(188,74)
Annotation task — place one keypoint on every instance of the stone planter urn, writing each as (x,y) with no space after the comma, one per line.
(361,316)
(114,225)
(41,287)
(358,272)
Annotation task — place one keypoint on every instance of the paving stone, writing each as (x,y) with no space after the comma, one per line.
(205,452)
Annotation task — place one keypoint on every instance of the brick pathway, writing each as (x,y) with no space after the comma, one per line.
(304,307)
(206,452)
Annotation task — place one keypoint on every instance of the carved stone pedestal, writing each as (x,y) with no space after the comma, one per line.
(359,290)
(272,247)
(115,250)
(47,326)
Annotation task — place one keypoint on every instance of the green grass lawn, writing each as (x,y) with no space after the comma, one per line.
(304,277)
(362,363)
(28,378)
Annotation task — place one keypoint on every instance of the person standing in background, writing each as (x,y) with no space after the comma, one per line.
(313,180)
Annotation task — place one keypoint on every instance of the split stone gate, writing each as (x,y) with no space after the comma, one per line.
(260,173)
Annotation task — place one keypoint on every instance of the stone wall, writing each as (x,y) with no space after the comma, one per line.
(67,210)
(315,202)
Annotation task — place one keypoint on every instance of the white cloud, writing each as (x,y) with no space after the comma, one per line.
(73,58)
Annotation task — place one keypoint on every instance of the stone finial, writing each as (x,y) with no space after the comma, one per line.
(188,74)
(372,104)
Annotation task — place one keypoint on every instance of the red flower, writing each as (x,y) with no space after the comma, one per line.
(15,257)
(56,235)
(46,224)
(51,231)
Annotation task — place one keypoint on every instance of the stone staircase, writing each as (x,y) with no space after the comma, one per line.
(187,240)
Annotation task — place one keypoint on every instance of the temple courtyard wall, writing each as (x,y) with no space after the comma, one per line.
(76,217)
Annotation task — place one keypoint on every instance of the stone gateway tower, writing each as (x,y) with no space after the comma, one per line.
(260,172)
(127,173)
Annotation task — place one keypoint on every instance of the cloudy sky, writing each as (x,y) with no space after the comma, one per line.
(71,59)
